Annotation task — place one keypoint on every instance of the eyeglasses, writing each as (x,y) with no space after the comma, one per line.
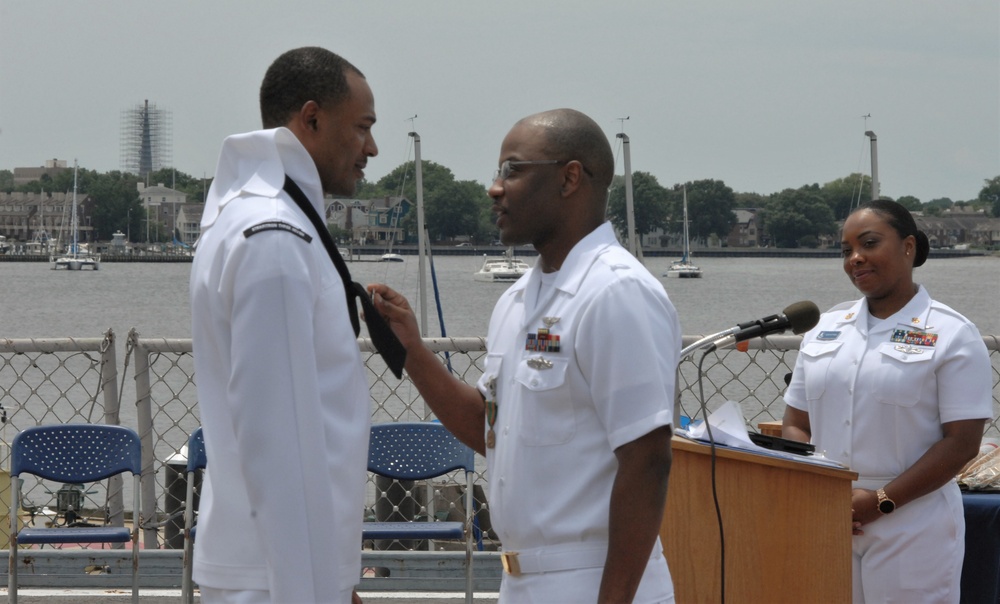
(507,166)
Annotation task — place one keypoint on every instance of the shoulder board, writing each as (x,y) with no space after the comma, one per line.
(947,310)
(842,306)
(278,225)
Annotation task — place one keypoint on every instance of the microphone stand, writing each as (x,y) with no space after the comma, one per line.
(687,350)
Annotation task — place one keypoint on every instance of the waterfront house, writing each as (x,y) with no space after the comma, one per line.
(44,217)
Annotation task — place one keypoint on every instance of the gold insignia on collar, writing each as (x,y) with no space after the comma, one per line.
(850,315)
(915,320)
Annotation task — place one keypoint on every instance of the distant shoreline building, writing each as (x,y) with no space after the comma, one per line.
(162,205)
(23,176)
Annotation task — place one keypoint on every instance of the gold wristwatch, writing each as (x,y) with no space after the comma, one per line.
(885,505)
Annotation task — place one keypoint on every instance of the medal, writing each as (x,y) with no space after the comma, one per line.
(491,439)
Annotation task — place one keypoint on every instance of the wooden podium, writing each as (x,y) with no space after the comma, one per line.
(787,527)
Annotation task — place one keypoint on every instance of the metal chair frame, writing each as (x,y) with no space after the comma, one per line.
(420,451)
(74,454)
(196,460)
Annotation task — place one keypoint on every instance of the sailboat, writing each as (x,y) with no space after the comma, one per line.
(683,268)
(389,256)
(508,268)
(74,259)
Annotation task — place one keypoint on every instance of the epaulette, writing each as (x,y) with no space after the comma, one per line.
(947,310)
(278,225)
(841,306)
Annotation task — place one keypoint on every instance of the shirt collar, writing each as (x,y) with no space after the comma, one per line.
(255,163)
(574,267)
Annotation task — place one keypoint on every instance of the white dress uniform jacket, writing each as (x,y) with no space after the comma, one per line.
(575,375)
(281,385)
(877,392)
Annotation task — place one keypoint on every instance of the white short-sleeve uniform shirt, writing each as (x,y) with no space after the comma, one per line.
(582,370)
(877,392)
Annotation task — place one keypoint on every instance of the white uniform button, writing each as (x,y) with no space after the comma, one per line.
(534,382)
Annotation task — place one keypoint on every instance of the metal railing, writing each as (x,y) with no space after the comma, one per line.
(77,380)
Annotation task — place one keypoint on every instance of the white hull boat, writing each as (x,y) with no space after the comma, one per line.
(683,268)
(508,268)
(74,259)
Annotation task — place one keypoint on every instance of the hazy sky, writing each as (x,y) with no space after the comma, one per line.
(762,94)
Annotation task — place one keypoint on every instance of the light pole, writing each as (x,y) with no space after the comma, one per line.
(128,226)
(874,140)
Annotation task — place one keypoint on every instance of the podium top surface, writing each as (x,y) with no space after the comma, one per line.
(680,443)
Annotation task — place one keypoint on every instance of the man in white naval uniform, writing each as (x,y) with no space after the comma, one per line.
(573,411)
(282,391)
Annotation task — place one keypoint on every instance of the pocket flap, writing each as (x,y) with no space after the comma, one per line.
(818,349)
(905,353)
(538,373)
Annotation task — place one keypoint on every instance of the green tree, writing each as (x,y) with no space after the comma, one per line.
(116,202)
(710,209)
(6,181)
(649,204)
(935,207)
(844,194)
(455,210)
(910,202)
(989,195)
(797,216)
(451,208)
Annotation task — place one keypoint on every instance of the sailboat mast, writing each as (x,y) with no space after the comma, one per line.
(629,203)
(421,238)
(74,210)
(687,246)
(874,140)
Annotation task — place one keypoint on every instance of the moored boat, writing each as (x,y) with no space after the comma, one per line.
(506,268)
(683,268)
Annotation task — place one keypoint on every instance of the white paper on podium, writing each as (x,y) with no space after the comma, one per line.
(730,429)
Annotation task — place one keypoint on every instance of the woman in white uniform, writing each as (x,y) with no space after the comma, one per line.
(897,387)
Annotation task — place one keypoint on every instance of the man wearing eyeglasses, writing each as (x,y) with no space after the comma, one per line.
(574,408)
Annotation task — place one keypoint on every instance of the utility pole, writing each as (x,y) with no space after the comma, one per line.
(874,140)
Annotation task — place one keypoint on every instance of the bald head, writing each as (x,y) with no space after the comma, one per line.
(571,135)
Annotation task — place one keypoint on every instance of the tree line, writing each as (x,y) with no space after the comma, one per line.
(789,218)
(461,208)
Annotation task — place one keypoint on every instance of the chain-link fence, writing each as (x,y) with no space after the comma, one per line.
(59,381)
(77,380)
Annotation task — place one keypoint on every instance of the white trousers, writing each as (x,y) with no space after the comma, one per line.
(211,595)
(580,586)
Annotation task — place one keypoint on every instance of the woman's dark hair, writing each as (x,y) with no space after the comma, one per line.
(900,219)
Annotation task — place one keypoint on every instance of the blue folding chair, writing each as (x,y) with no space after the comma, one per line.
(197,460)
(74,454)
(420,451)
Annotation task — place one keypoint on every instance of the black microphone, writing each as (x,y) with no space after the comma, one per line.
(800,316)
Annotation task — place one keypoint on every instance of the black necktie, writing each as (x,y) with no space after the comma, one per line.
(385,341)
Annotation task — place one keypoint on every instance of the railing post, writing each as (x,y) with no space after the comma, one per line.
(144,419)
(109,385)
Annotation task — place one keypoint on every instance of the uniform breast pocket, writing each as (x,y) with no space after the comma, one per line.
(902,373)
(546,401)
(817,357)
